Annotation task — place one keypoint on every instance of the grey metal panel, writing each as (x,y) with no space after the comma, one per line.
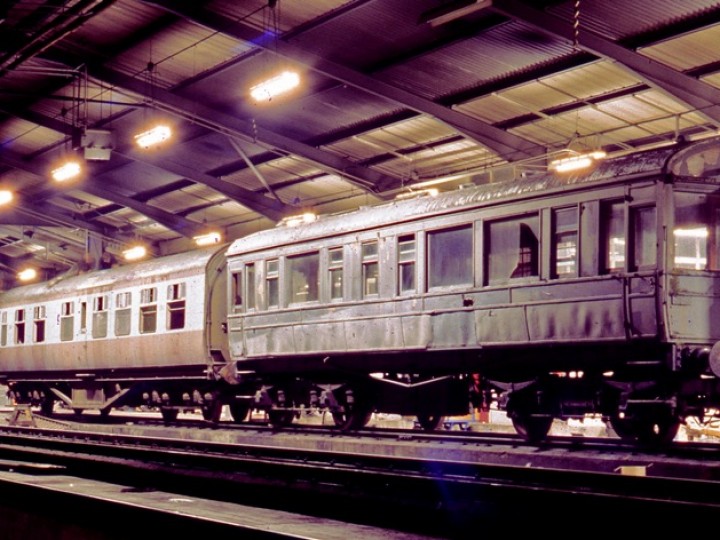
(694,307)
(567,289)
(501,325)
(586,320)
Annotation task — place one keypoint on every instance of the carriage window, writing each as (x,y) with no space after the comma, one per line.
(272,275)
(697,231)
(303,273)
(613,229)
(67,318)
(236,292)
(406,264)
(450,255)
(176,306)
(644,237)
(39,324)
(335,268)
(148,312)
(83,317)
(19,326)
(250,271)
(370,268)
(513,248)
(100,316)
(122,314)
(3,329)
(565,236)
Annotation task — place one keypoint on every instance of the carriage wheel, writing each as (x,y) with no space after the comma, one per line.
(532,428)
(649,431)
(657,432)
(168,414)
(429,422)
(354,419)
(47,405)
(280,418)
(239,410)
(212,410)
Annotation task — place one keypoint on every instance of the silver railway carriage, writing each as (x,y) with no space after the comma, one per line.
(555,295)
(146,333)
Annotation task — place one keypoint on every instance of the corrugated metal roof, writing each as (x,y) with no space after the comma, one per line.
(386,100)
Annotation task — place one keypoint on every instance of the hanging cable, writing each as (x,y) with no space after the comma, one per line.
(576,25)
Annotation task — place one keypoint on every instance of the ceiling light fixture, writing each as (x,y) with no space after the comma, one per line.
(6,196)
(135,253)
(577,161)
(68,170)
(208,239)
(28,274)
(153,136)
(299,219)
(275,86)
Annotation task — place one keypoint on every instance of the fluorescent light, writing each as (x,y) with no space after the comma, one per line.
(134,253)
(27,275)
(571,164)
(6,196)
(279,84)
(294,221)
(576,162)
(208,239)
(429,192)
(66,171)
(700,232)
(153,136)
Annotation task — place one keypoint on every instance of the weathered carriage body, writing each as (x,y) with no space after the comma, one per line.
(98,339)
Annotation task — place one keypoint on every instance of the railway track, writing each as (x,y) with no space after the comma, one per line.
(441,484)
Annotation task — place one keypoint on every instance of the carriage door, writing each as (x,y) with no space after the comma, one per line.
(236,306)
(641,287)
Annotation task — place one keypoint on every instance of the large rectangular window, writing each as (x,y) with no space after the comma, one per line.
(613,236)
(370,268)
(513,248)
(335,269)
(176,306)
(39,324)
(644,237)
(148,310)
(303,277)
(67,320)
(122,313)
(565,242)
(450,257)
(697,231)
(100,316)
(406,265)
(272,279)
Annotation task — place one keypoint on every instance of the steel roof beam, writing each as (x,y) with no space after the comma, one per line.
(507,145)
(197,113)
(176,223)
